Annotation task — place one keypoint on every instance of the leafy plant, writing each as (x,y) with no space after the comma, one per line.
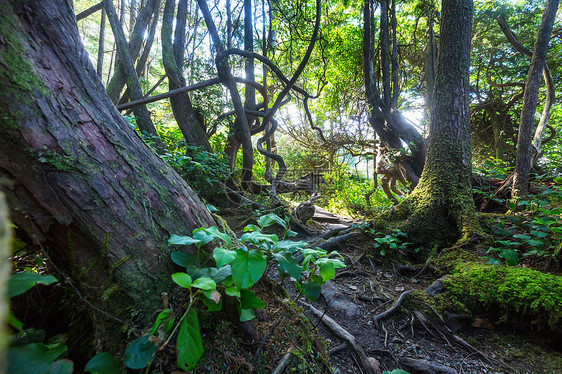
(29,350)
(392,242)
(239,265)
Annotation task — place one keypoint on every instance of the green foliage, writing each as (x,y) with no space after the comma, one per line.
(532,229)
(205,172)
(520,294)
(103,363)
(24,281)
(29,351)
(239,265)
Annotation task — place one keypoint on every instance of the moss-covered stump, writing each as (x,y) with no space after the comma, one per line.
(516,296)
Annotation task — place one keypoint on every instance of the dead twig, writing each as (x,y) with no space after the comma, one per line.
(392,309)
(337,329)
(284,361)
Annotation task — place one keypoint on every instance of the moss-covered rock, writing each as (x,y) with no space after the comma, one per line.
(520,296)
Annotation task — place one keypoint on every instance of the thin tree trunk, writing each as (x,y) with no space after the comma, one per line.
(530,98)
(78,180)
(172,57)
(141,64)
(431,55)
(119,78)
(141,113)
(384,46)
(101,45)
(250,93)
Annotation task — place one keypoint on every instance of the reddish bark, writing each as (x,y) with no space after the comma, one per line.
(76,177)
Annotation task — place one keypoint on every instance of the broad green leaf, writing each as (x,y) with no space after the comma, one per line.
(535,243)
(211,305)
(539,234)
(557,180)
(204,284)
(511,257)
(103,363)
(290,246)
(139,353)
(223,273)
(270,219)
(64,366)
(189,344)
(162,316)
(216,234)
(184,259)
(250,301)
(522,237)
(182,279)
(203,237)
(35,358)
(232,291)
(257,238)
(13,321)
(213,295)
(327,270)
(396,371)
(182,240)
(251,228)
(247,315)
(247,268)
(289,264)
(21,282)
(223,256)
(312,290)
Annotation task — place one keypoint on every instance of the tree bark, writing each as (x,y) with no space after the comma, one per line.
(77,179)
(172,57)
(101,45)
(441,206)
(530,98)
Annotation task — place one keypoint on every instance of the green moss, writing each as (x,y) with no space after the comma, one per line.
(60,162)
(20,72)
(520,295)
(450,259)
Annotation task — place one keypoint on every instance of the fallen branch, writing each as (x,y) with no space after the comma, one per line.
(284,362)
(392,309)
(366,362)
(425,366)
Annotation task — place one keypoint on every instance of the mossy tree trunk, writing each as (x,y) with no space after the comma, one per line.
(441,206)
(77,179)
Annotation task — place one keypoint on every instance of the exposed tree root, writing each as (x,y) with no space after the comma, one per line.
(392,309)
(367,363)
(426,367)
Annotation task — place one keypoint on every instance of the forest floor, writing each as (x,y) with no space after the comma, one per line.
(413,339)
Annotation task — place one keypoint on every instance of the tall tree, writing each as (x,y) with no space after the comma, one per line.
(530,98)
(142,115)
(173,58)
(77,179)
(441,205)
